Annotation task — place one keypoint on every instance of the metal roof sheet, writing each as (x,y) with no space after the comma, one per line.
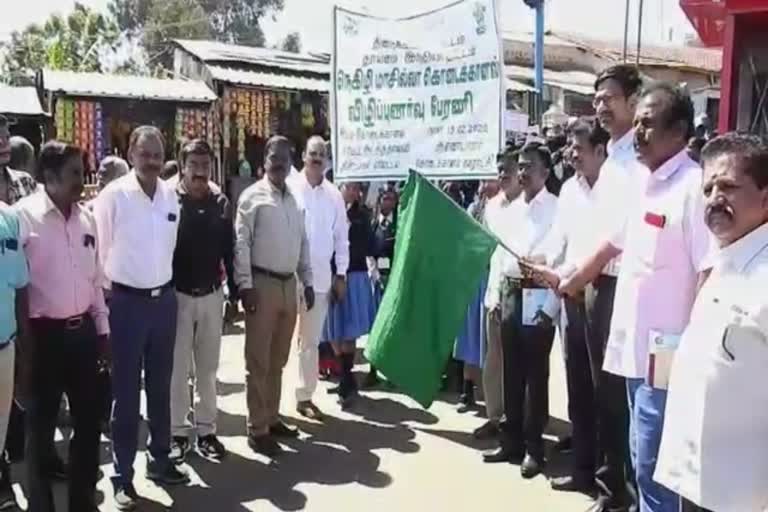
(267,79)
(214,51)
(125,86)
(577,81)
(20,101)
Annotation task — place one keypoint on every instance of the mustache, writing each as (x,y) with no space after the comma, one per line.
(718,209)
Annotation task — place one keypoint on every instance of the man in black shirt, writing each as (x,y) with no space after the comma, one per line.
(205,239)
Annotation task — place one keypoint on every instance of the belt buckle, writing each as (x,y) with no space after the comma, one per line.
(155,293)
(73,323)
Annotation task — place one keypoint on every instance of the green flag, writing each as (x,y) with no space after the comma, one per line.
(441,254)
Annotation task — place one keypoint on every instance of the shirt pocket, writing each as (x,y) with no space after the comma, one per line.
(743,340)
(660,240)
(86,254)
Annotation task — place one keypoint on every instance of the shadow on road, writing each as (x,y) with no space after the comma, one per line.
(335,452)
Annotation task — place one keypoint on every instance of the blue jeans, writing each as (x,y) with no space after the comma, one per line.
(646,412)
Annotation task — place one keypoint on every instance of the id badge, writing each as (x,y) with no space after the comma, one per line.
(662,349)
(382,263)
(533,302)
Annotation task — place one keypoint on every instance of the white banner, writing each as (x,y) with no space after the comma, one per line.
(422,93)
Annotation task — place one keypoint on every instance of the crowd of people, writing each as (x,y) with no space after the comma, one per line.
(649,266)
(129,287)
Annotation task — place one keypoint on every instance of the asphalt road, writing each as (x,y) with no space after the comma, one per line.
(388,454)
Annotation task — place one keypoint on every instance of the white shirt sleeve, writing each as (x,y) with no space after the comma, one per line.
(341,236)
(103,214)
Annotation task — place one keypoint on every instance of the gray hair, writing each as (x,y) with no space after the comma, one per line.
(119,165)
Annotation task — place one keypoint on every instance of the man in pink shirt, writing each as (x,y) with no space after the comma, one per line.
(665,243)
(69,325)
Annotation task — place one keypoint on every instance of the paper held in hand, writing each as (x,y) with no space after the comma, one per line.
(533,305)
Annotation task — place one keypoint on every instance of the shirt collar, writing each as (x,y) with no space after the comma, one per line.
(41,201)
(739,254)
(625,143)
(538,198)
(134,184)
(285,192)
(670,167)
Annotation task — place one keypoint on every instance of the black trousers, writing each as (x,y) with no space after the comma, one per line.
(610,395)
(525,378)
(687,506)
(64,360)
(583,357)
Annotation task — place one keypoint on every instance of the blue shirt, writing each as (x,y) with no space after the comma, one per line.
(13,271)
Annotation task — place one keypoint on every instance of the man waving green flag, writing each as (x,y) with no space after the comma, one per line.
(441,254)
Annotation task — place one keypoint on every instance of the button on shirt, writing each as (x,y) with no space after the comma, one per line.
(137,233)
(327,228)
(716,421)
(13,271)
(64,277)
(270,234)
(665,245)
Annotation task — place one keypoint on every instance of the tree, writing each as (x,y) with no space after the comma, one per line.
(153,22)
(80,41)
(172,19)
(291,43)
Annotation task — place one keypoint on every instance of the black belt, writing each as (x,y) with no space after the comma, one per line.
(518,284)
(152,293)
(72,323)
(275,275)
(198,292)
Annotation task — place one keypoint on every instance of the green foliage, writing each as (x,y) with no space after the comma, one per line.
(291,43)
(78,42)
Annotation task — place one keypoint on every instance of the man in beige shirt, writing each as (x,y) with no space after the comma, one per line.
(271,247)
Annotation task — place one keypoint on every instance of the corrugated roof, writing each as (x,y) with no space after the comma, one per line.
(20,101)
(706,59)
(267,79)
(216,52)
(124,86)
(576,81)
(514,85)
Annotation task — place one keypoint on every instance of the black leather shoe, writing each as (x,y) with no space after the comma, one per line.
(488,430)
(572,484)
(531,467)
(265,445)
(280,429)
(502,455)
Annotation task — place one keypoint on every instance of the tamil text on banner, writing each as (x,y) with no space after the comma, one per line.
(421,93)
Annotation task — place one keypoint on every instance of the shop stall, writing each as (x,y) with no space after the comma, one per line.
(98,112)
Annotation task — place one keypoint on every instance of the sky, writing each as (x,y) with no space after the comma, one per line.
(312,18)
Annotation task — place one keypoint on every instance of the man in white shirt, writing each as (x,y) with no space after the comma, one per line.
(616,95)
(664,244)
(328,233)
(712,449)
(494,218)
(527,329)
(572,239)
(136,220)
